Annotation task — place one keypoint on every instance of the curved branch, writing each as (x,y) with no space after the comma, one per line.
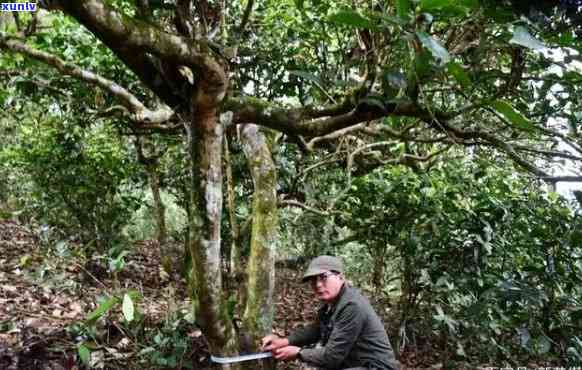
(300,121)
(565,138)
(335,135)
(548,153)
(349,168)
(497,143)
(295,203)
(139,112)
(405,159)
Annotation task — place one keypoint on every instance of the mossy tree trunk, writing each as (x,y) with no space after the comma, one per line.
(205,135)
(233,253)
(164,61)
(379,258)
(159,207)
(258,313)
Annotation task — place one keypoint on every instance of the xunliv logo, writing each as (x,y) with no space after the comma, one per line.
(17,7)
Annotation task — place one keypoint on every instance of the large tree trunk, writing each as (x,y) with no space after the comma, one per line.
(205,144)
(258,314)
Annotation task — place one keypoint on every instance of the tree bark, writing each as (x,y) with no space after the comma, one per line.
(234,250)
(379,256)
(159,207)
(205,148)
(258,314)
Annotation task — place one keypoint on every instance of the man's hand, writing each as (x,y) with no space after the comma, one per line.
(286,353)
(272,342)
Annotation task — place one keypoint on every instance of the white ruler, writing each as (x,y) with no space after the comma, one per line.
(234,359)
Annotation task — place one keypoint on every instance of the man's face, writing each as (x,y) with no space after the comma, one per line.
(327,286)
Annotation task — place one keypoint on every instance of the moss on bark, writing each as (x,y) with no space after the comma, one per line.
(258,314)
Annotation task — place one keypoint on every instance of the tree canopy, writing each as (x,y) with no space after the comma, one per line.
(433,73)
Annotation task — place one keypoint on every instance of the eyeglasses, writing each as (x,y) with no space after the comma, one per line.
(322,277)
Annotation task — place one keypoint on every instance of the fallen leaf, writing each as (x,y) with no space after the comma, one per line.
(123,343)
(195,333)
(9,288)
(35,322)
(75,310)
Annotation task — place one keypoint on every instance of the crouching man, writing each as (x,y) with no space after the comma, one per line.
(350,333)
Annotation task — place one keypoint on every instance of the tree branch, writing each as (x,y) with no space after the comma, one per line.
(295,203)
(555,179)
(183,21)
(139,113)
(246,17)
(566,139)
(495,142)
(118,31)
(298,121)
(349,168)
(548,153)
(335,134)
(405,159)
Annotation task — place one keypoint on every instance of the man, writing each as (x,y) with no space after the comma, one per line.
(347,327)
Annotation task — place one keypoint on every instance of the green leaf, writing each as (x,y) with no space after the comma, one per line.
(524,337)
(395,79)
(403,9)
(128,308)
(102,309)
(134,295)
(392,83)
(449,7)
(432,5)
(543,345)
(299,4)
(471,4)
(459,74)
(566,39)
(393,121)
(385,18)
(351,18)
(84,353)
(512,115)
(422,65)
(572,76)
(306,75)
(522,37)
(437,50)
(461,350)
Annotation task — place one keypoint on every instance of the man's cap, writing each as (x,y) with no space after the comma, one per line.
(322,264)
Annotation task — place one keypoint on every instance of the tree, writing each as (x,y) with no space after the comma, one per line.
(369,83)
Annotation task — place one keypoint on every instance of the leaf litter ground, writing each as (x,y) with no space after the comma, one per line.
(44,293)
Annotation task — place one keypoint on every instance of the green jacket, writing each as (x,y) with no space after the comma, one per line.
(351,333)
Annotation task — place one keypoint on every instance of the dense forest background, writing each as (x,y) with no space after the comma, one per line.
(168,166)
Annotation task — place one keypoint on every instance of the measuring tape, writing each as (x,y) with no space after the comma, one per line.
(234,359)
